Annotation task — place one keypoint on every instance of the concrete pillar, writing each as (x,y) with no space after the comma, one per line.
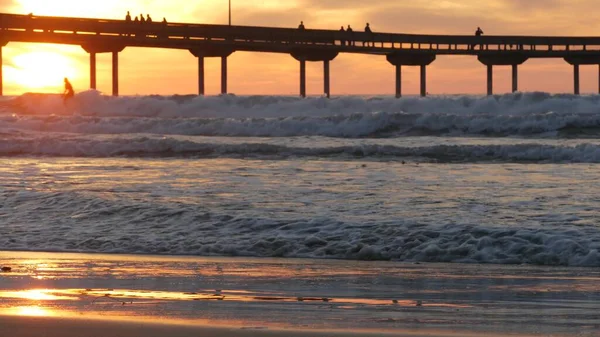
(115,73)
(200,75)
(326,81)
(223,74)
(423,80)
(398,81)
(576,78)
(1,74)
(303,78)
(515,78)
(93,71)
(490,79)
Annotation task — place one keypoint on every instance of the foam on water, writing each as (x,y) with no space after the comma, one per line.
(417,148)
(119,226)
(522,114)
(183,208)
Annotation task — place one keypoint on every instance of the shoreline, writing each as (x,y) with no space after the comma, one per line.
(220,296)
(77,327)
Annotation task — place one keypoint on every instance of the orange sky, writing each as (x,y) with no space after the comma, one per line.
(152,71)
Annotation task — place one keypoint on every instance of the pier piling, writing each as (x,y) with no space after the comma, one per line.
(576,79)
(223,75)
(515,77)
(93,71)
(201,75)
(326,82)
(115,73)
(398,81)
(302,78)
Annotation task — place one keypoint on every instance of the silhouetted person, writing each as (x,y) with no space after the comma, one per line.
(142,20)
(164,21)
(128,17)
(350,34)
(148,19)
(478,32)
(69,93)
(342,41)
(136,20)
(369,32)
(301,26)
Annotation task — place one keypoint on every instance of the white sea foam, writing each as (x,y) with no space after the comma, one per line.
(417,148)
(269,116)
(96,225)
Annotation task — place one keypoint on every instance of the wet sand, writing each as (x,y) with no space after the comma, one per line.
(49,294)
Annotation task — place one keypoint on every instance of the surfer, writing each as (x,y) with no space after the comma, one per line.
(69,93)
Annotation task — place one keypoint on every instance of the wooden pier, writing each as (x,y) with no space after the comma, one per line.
(307,45)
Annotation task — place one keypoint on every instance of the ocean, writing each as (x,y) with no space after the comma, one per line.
(505,179)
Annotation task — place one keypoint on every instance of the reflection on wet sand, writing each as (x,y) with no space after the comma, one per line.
(130,296)
(301,294)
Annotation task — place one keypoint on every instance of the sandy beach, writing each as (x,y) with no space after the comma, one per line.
(51,294)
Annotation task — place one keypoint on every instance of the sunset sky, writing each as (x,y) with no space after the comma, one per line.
(40,68)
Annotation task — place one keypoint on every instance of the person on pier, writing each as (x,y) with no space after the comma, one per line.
(142,20)
(148,19)
(478,33)
(136,20)
(350,34)
(301,26)
(342,41)
(369,35)
(128,17)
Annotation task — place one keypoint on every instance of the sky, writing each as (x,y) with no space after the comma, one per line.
(156,71)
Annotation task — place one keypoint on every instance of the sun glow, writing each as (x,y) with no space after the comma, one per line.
(40,71)
(32,311)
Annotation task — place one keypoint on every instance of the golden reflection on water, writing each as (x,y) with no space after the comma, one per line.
(30,311)
(37,295)
(132,296)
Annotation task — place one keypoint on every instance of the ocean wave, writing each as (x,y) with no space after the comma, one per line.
(521,114)
(82,224)
(79,146)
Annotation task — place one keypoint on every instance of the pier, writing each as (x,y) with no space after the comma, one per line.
(308,45)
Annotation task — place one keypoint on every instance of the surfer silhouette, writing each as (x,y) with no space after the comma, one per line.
(69,93)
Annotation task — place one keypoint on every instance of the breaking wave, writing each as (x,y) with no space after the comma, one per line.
(520,114)
(190,147)
(88,225)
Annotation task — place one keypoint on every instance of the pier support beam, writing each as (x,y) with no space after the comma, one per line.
(115,73)
(515,78)
(302,78)
(2,44)
(423,80)
(580,60)
(576,79)
(223,75)
(211,51)
(303,55)
(420,59)
(93,71)
(93,50)
(1,74)
(398,81)
(326,81)
(490,79)
(492,59)
(201,89)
